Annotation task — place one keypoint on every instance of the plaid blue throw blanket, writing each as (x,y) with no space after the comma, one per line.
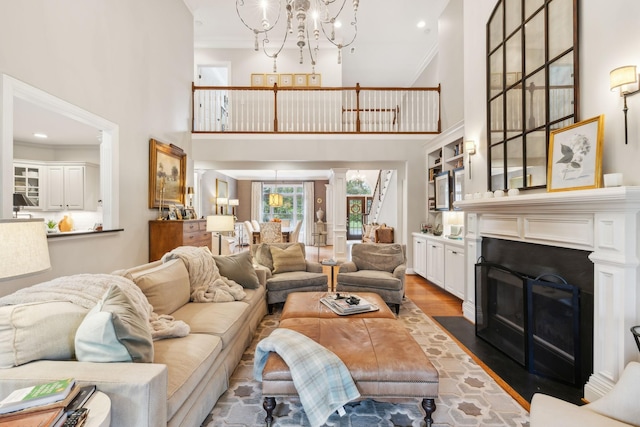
(322,380)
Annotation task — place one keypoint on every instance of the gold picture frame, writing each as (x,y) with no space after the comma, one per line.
(271,79)
(167,174)
(300,80)
(257,80)
(314,80)
(575,156)
(286,80)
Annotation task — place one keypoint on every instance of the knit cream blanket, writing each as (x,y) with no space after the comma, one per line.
(207,285)
(85,290)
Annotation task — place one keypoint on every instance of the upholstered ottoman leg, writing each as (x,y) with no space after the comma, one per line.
(269,405)
(429,406)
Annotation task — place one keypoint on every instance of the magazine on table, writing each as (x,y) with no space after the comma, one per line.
(348,304)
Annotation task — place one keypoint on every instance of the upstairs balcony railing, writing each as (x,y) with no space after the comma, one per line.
(234,109)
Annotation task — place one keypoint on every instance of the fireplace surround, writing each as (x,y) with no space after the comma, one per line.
(604,222)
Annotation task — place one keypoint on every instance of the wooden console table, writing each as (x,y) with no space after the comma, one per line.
(166,235)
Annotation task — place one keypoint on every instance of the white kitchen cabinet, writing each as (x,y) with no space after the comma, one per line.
(27,180)
(454,270)
(72,186)
(435,262)
(420,255)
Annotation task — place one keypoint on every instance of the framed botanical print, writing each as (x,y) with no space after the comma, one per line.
(575,156)
(300,80)
(271,79)
(257,80)
(167,174)
(286,80)
(314,80)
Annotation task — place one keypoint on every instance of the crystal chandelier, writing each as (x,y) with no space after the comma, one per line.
(307,18)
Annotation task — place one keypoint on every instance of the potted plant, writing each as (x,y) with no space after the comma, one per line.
(52,226)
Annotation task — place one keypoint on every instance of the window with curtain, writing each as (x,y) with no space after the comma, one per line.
(292,208)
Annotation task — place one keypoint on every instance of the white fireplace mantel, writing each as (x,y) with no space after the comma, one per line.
(603,221)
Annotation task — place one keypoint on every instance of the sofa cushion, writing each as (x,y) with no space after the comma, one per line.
(288,259)
(222,320)
(41,330)
(188,360)
(239,268)
(371,279)
(114,331)
(166,286)
(293,279)
(379,256)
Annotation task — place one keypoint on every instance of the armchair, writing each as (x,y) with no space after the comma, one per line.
(288,271)
(375,267)
(617,408)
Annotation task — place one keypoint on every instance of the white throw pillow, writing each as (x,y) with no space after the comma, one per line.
(40,330)
(114,331)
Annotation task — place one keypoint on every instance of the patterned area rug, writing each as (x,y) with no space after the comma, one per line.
(468,395)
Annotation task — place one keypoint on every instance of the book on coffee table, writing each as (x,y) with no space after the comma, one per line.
(342,307)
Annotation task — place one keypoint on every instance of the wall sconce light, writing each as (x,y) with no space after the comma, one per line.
(470,148)
(625,78)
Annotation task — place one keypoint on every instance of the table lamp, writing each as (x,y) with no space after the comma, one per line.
(233,203)
(220,224)
(24,248)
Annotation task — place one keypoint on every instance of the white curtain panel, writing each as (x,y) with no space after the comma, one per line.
(256,201)
(309,214)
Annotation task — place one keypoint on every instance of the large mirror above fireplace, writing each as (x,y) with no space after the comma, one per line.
(532,86)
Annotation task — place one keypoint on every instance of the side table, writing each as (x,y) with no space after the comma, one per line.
(332,273)
(99,406)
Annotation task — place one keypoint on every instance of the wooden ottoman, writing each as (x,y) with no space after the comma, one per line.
(384,360)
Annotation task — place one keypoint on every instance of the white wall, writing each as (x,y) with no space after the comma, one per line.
(451,63)
(128,62)
(244,62)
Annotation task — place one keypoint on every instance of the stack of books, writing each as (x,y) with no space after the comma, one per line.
(344,304)
(43,405)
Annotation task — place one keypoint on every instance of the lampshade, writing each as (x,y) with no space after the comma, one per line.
(275,200)
(189,190)
(623,76)
(234,202)
(23,247)
(470,147)
(222,201)
(220,223)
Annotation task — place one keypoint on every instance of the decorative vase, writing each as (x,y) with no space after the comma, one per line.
(319,214)
(65,224)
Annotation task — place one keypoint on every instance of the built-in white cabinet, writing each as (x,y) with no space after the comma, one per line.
(420,255)
(441,261)
(454,270)
(435,262)
(72,186)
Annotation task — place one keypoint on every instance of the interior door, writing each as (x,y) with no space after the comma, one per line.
(355,212)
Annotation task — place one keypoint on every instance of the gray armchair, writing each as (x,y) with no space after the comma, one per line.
(288,271)
(375,267)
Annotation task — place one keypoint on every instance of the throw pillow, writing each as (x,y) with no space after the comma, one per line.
(238,267)
(288,259)
(166,286)
(114,331)
(40,330)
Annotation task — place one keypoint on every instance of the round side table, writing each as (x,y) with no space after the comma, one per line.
(99,406)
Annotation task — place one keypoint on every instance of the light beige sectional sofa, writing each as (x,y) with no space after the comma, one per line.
(187,375)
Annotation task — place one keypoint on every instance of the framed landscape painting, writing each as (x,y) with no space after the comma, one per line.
(167,174)
(575,156)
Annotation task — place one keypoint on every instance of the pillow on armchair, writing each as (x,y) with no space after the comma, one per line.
(288,259)
(381,257)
